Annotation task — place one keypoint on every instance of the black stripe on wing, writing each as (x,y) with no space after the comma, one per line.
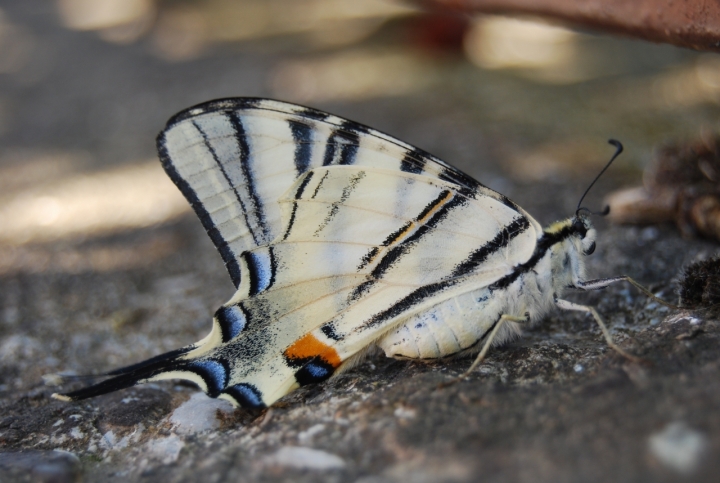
(341,147)
(546,241)
(501,240)
(214,373)
(455,176)
(414,161)
(228,179)
(405,247)
(228,256)
(153,363)
(298,194)
(428,219)
(246,167)
(330,331)
(217,105)
(310,113)
(335,206)
(303,136)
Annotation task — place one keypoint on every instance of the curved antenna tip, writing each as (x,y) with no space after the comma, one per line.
(604,212)
(618,149)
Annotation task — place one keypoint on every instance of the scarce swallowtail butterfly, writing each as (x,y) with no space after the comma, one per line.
(339,239)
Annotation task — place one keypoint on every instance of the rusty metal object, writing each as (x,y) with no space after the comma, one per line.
(692,23)
(681,184)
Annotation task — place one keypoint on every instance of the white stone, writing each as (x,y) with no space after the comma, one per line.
(402,412)
(305,458)
(678,447)
(306,436)
(166,450)
(199,413)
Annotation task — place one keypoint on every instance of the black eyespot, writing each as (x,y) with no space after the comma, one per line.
(590,250)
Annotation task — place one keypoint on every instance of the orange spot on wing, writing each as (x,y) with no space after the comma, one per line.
(309,346)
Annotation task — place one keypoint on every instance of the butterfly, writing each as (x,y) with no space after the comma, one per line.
(341,239)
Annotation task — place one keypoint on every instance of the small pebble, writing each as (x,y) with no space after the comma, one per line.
(199,413)
(166,450)
(39,466)
(678,447)
(304,458)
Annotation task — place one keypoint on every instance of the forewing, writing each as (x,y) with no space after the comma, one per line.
(233,159)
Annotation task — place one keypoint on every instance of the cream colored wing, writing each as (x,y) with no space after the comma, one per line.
(333,234)
(360,251)
(233,159)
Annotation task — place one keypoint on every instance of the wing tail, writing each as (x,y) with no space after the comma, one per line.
(129,376)
(156,362)
(110,385)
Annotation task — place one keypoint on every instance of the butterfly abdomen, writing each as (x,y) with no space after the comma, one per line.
(453,326)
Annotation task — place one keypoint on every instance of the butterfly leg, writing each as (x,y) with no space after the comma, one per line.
(567,305)
(486,347)
(601,283)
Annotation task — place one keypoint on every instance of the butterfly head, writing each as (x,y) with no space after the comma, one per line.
(579,226)
(573,236)
(583,234)
(571,239)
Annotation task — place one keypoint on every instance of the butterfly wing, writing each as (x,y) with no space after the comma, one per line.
(333,234)
(233,159)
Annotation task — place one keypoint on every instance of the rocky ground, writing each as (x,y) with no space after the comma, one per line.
(92,277)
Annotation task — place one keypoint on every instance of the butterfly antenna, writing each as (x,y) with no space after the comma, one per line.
(618,149)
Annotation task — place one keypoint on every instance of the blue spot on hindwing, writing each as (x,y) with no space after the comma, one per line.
(246,395)
(261,265)
(232,320)
(314,371)
(213,372)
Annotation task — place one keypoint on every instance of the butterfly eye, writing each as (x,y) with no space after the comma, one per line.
(579,228)
(590,250)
